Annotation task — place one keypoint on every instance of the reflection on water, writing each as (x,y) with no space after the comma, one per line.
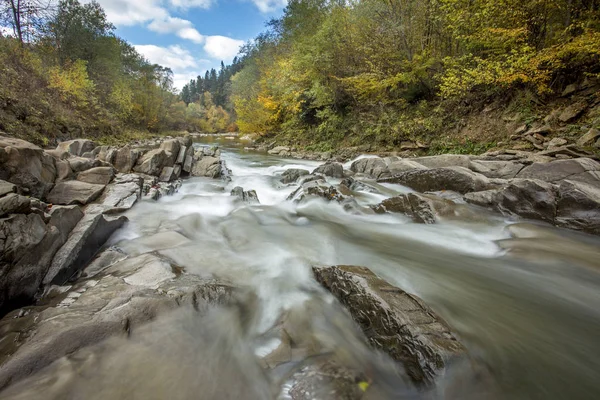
(523,298)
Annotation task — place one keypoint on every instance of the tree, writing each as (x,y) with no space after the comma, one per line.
(25,16)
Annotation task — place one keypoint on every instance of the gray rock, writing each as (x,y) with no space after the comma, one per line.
(422,208)
(357,186)
(167,174)
(63,171)
(394,321)
(183,151)
(578,206)
(280,150)
(188,163)
(90,234)
(373,167)
(152,162)
(97,176)
(444,160)
(211,167)
(74,192)
(249,196)
(316,188)
(497,169)
(572,112)
(76,147)
(14,203)
(399,166)
(6,188)
(332,169)
(528,198)
(292,175)
(125,159)
(589,138)
(457,179)
(582,170)
(122,194)
(557,142)
(26,166)
(80,164)
(484,198)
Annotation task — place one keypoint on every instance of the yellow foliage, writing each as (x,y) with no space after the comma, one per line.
(72,82)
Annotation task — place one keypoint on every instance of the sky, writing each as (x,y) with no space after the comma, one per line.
(190,36)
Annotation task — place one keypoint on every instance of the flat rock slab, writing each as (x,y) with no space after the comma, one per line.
(159,241)
(581,169)
(74,192)
(97,176)
(457,179)
(394,321)
(6,188)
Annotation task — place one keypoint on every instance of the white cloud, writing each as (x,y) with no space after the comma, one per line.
(222,47)
(191,3)
(132,12)
(181,27)
(267,6)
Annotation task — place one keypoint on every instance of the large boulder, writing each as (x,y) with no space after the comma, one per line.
(580,169)
(396,167)
(76,147)
(27,166)
(444,160)
(74,192)
(171,147)
(153,162)
(7,187)
(314,189)
(528,198)
(249,196)
(578,206)
(283,151)
(14,203)
(292,175)
(394,321)
(332,169)
(120,196)
(97,176)
(212,167)
(422,208)
(80,164)
(125,159)
(497,169)
(457,179)
(90,234)
(374,167)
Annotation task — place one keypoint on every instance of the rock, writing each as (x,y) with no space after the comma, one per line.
(394,321)
(422,208)
(457,179)
(125,159)
(528,198)
(326,380)
(211,167)
(444,160)
(167,174)
(399,166)
(6,188)
(374,167)
(292,175)
(589,138)
(572,112)
(484,198)
(63,171)
(332,169)
(80,164)
(280,150)
(14,203)
(90,234)
(129,294)
(188,163)
(578,206)
(309,178)
(581,169)
(183,151)
(556,142)
(97,176)
(540,130)
(105,153)
(249,196)
(570,89)
(74,192)
(152,163)
(26,166)
(357,186)
(497,169)
(123,194)
(171,147)
(76,147)
(317,188)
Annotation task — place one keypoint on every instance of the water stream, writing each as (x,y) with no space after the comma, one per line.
(523,298)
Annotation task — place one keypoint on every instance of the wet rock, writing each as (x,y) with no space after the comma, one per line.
(422,208)
(582,170)
(152,162)
(578,206)
(394,321)
(26,166)
(97,176)
(444,160)
(125,159)
(316,188)
(589,138)
(292,175)
(6,188)
(528,198)
(129,294)
(90,234)
(484,198)
(168,174)
(14,203)
(332,169)
(326,380)
(399,166)
(457,179)
(497,169)
(211,167)
(74,192)
(122,194)
(76,147)
(373,167)
(249,196)
(357,186)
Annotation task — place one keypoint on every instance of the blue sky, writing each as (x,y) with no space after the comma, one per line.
(190,36)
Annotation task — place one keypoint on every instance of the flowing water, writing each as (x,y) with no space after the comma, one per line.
(523,298)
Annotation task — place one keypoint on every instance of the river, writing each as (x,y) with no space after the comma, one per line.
(523,298)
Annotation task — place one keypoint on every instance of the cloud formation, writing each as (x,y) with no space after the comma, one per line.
(181,27)
(222,47)
(267,6)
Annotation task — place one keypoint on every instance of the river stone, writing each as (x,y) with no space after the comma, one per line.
(211,167)
(74,192)
(152,162)
(332,169)
(122,194)
(399,166)
(497,169)
(6,188)
(394,321)
(171,147)
(90,234)
(578,206)
(149,244)
(444,160)
(374,167)
(589,138)
(292,175)
(457,179)
(76,147)
(280,150)
(95,310)
(27,166)
(249,196)
(422,208)
(317,188)
(63,171)
(484,198)
(183,151)
(125,159)
(581,169)
(80,164)
(357,186)
(167,174)
(14,203)
(97,176)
